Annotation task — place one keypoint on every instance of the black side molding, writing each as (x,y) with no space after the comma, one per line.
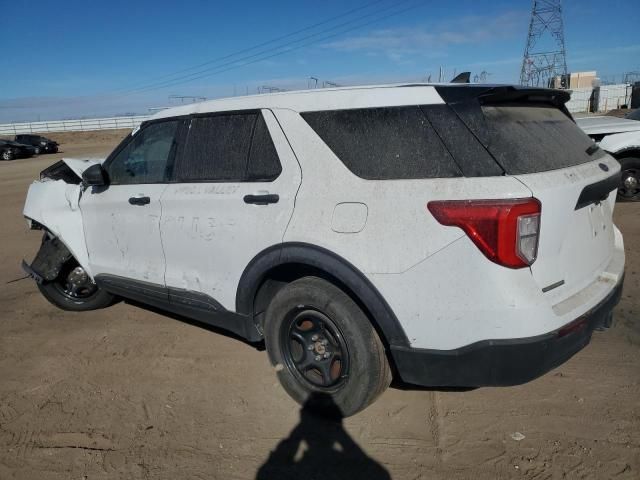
(599,191)
(196,306)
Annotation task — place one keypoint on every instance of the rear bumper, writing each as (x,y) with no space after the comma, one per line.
(506,361)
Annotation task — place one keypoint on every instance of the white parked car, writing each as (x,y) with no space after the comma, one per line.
(621,138)
(447,235)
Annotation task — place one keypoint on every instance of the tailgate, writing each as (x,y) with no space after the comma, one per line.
(576,229)
(532,137)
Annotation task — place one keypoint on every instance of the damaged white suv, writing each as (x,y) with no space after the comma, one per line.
(447,235)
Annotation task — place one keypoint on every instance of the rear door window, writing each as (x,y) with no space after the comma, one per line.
(263,165)
(234,147)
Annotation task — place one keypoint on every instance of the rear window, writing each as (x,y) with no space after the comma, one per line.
(534,138)
(385,143)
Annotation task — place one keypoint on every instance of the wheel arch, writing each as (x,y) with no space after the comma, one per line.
(279,265)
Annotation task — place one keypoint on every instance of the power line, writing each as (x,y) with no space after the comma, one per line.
(232,63)
(264,54)
(269,42)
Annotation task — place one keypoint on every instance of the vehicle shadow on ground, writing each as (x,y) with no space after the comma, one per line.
(319,447)
(217,330)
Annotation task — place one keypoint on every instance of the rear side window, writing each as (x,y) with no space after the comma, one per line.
(228,148)
(535,138)
(385,143)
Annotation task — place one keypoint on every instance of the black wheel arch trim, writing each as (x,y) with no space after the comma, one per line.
(332,264)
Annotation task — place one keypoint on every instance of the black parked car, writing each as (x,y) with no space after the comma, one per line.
(41,144)
(10,150)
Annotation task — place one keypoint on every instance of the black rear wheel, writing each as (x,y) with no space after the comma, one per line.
(322,343)
(629,189)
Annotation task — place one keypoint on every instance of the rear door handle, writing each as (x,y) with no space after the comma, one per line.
(262,199)
(139,200)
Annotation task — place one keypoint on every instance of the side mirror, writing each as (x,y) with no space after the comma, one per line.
(94,176)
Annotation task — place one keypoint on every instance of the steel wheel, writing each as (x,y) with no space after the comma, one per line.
(74,283)
(314,349)
(630,184)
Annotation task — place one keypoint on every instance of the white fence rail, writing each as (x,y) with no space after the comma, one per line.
(83,125)
(610,98)
(580,100)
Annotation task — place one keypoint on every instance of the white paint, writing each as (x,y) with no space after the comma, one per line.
(607,125)
(445,293)
(349,217)
(55,205)
(210,234)
(124,239)
(622,142)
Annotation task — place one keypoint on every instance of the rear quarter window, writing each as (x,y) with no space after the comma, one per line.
(385,143)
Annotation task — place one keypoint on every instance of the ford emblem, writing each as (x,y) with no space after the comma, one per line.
(604,167)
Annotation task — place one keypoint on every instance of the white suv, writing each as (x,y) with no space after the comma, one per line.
(447,235)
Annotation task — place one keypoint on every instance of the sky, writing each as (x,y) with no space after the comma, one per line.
(80,59)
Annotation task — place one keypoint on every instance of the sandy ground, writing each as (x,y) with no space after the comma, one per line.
(129,393)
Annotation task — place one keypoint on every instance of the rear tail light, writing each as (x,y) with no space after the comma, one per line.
(505,231)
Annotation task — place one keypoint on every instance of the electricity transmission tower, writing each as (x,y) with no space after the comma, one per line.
(544,55)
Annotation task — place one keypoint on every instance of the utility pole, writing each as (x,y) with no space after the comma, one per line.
(545,54)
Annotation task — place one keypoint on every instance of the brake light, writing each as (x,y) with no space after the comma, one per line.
(505,231)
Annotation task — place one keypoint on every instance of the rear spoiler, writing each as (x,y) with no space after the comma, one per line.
(498,94)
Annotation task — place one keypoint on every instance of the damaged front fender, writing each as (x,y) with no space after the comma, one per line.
(53,254)
(54,203)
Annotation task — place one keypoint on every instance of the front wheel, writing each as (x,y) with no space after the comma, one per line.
(629,189)
(324,346)
(74,290)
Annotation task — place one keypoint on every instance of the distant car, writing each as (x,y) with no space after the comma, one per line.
(621,138)
(41,144)
(10,150)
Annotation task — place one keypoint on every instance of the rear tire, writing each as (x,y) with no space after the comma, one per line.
(324,346)
(629,189)
(73,290)
(7,155)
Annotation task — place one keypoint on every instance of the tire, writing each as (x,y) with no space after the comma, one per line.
(90,298)
(356,371)
(7,155)
(37,150)
(629,190)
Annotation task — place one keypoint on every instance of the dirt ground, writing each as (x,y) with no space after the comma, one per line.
(129,393)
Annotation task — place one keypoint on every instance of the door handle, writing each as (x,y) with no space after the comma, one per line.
(262,199)
(139,200)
